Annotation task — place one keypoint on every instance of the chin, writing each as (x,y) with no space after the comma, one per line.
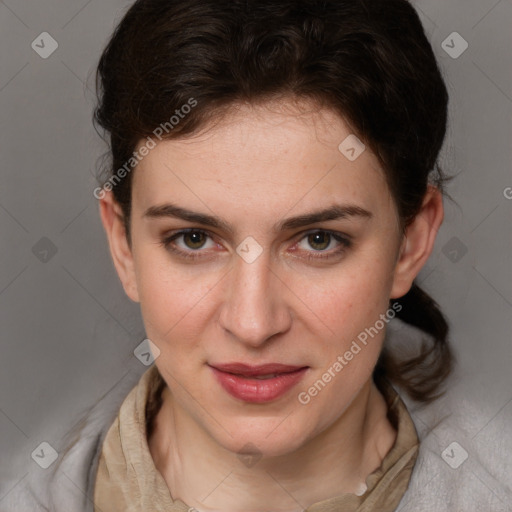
(261,437)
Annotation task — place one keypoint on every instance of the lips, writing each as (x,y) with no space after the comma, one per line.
(257,384)
(256,371)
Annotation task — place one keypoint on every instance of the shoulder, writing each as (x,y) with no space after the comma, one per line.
(462,462)
(68,484)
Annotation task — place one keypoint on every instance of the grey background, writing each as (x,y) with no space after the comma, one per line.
(68,330)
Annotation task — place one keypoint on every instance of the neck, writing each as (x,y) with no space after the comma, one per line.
(208,477)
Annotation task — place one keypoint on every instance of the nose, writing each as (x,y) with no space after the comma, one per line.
(255,307)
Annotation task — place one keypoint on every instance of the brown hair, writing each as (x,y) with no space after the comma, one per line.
(368,60)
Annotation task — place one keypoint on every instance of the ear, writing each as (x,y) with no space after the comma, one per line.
(113,221)
(418,242)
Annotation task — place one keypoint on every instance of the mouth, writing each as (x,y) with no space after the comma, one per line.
(258,384)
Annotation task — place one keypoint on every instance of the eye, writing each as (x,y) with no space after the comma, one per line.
(188,242)
(319,240)
(325,244)
(194,239)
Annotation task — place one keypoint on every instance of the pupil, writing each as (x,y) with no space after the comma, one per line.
(196,239)
(321,239)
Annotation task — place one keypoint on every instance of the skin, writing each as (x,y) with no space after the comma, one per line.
(253,168)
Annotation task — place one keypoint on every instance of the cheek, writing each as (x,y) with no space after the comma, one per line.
(353,308)
(347,357)
(172,299)
(349,298)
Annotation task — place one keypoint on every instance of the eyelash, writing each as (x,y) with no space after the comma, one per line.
(166,242)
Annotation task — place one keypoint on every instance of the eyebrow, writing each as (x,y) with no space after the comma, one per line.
(334,212)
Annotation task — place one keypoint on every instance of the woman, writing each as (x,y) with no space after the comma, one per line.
(273,212)
(279,209)
(272,196)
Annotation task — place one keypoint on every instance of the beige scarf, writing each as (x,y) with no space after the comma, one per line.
(128,481)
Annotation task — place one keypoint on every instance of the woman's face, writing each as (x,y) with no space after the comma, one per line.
(258,279)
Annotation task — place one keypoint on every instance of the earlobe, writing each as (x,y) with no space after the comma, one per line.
(112,219)
(418,242)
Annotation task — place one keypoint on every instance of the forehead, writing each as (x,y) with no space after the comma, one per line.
(263,158)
